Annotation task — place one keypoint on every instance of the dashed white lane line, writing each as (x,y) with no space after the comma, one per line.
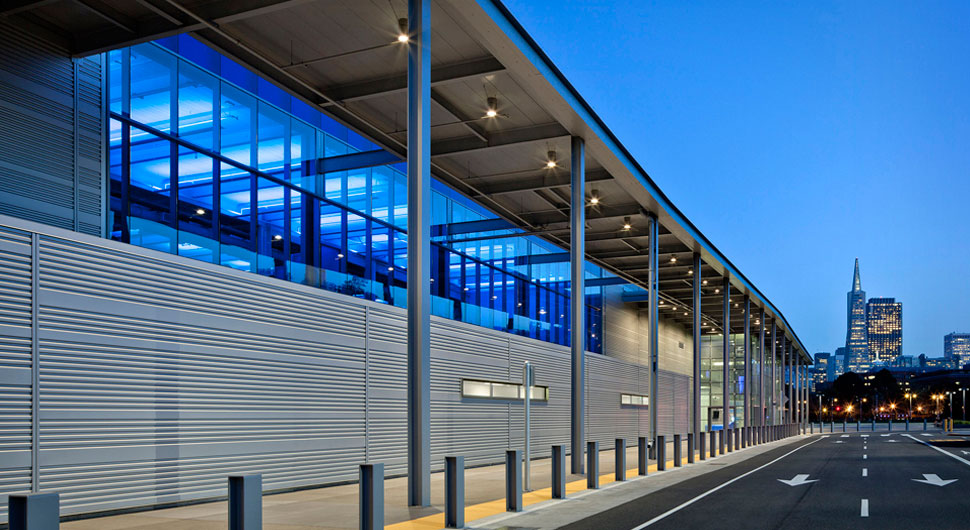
(865,472)
(865,508)
(865,457)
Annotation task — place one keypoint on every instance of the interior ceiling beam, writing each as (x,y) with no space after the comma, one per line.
(499,139)
(541,179)
(112,16)
(440,75)
(12,7)
(547,217)
(218,12)
(468,122)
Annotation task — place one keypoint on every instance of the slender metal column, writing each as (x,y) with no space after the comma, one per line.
(747,365)
(762,413)
(783,411)
(774,387)
(419,252)
(791,383)
(696,390)
(726,356)
(577,300)
(654,322)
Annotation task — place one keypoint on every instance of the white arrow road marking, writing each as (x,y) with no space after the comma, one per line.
(838,442)
(965,452)
(926,434)
(844,436)
(797,480)
(712,490)
(865,435)
(864,512)
(884,435)
(891,441)
(934,480)
(865,472)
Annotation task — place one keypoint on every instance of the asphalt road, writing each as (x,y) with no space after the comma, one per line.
(858,480)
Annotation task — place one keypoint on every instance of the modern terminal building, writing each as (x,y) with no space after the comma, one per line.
(289,237)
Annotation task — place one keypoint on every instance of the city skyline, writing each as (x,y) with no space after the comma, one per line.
(818,122)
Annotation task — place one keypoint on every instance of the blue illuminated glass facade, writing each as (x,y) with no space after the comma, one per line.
(211,162)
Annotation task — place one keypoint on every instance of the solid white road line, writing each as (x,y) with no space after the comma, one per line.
(865,472)
(947,453)
(865,508)
(712,490)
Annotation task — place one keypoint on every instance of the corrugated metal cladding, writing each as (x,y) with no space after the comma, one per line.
(51,133)
(15,363)
(159,376)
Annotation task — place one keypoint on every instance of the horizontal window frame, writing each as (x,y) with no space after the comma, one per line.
(492,397)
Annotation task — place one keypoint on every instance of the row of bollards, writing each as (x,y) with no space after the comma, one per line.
(41,511)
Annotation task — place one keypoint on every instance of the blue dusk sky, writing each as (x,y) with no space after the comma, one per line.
(797,136)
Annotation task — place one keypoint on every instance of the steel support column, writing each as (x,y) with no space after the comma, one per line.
(791,381)
(654,322)
(784,378)
(747,367)
(577,301)
(726,357)
(773,413)
(762,413)
(419,252)
(696,384)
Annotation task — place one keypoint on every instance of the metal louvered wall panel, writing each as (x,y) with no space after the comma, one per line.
(51,133)
(158,379)
(160,375)
(15,364)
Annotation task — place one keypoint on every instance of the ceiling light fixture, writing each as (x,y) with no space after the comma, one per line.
(673,259)
(626,223)
(690,272)
(551,159)
(402,24)
(277,237)
(594,197)
(492,107)
(199,211)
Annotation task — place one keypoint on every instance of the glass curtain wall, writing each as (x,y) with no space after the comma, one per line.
(712,380)
(211,162)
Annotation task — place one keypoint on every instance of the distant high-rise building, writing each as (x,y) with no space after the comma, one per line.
(820,372)
(884,329)
(840,365)
(856,341)
(956,348)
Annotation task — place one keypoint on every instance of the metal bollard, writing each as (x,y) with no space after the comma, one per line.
(702,445)
(371,496)
(513,480)
(737,438)
(661,453)
(619,459)
(713,444)
(690,448)
(873,425)
(858,425)
(677,451)
(593,465)
(843,425)
(744,437)
(34,511)
(924,424)
(720,442)
(246,502)
(454,491)
(890,425)
(907,424)
(730,437)
(642,462)
(558,472)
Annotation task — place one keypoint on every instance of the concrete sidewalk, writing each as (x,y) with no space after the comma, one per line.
(336,507)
